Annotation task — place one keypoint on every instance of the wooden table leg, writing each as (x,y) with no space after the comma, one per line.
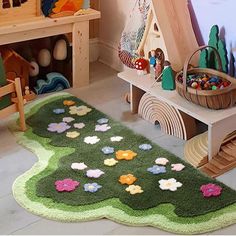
(80,44)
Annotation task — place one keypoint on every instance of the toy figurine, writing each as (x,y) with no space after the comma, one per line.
(158,69)
(141,66)
(152,58)
(168,81)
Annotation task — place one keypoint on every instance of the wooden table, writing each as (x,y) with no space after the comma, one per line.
(45,27)
(220,122)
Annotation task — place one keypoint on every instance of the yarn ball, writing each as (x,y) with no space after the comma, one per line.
(34,69)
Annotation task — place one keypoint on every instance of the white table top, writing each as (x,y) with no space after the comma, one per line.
(146,83)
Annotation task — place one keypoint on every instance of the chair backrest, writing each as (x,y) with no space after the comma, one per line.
(5,101)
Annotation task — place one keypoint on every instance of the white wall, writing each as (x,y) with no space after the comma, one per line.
(114,17)
(207,12)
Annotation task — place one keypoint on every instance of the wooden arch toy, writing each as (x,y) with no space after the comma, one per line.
(171,120)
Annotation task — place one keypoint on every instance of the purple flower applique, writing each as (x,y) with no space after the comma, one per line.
(58,127)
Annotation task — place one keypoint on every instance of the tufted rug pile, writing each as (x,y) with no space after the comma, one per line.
(91,167)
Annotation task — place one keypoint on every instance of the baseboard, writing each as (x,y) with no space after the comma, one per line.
(109,55)
(93,49)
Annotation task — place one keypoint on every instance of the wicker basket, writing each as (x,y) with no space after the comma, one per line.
(213,99)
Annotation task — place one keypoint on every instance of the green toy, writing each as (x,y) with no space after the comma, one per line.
(223,55)
(168,81)
(213,42)
(231,65)
(6,100)
(203,60)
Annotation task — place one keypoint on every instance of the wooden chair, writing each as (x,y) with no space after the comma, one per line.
(17,101)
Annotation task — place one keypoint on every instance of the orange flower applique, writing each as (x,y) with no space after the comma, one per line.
(127,179)
(68,103)
(127,155)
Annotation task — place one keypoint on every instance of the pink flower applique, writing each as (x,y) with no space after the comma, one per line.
(211,190)
(66,185)
(94,173)
(177,167)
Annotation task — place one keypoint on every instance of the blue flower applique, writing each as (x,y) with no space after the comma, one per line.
(102,121)
(156,170)
(59,111)
(92,188)
(145,147)
(108,150)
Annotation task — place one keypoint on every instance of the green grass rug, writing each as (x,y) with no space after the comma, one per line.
(91,167)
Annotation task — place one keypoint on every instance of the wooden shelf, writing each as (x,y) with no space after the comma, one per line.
(46,27)
(220,122)
(202,114)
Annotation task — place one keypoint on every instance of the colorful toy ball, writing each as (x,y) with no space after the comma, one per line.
(141,66)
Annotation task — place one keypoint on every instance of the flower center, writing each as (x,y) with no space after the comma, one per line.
(125,154)
(167,184)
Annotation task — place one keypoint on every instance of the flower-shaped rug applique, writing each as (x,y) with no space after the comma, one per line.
(68,103)
(110,162)
(161,161)
(80,110)
(127,155)
(102,128)
(92,188)
(73,134)
(108,150)
(68,119)
(58,127)
(94,173)
(145,147)
(116,138)
(177,167)
(78,166)
(134,189)
(102,121)
(127,179)
(156,170)
(79,125)
(169,184)
(91,140)
(58,111)
(211,190)
(66,185)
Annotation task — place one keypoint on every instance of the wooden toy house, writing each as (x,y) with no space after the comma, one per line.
(19,10)
(169,30)
(15,66)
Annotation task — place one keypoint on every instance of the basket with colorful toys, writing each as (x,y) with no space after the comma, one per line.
(206,87)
